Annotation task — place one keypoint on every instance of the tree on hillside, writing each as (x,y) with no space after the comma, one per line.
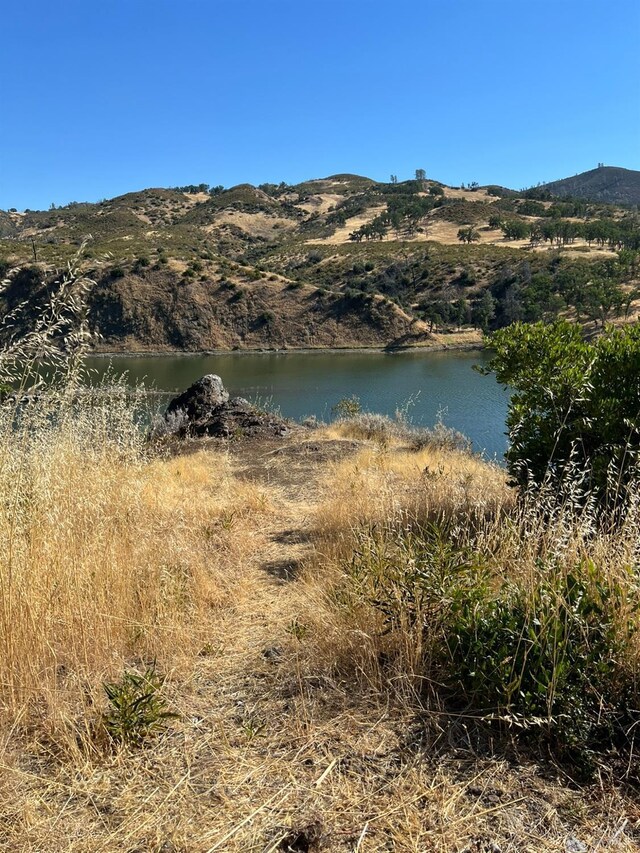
(484,311)
(468,235)
(394,179)
(461,313)
(421,175)
(515,229)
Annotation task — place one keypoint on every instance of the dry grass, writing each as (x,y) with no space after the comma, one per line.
(383,483)
(290,736)
(107,556)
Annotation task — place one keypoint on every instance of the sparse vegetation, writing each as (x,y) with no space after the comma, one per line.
(419,243)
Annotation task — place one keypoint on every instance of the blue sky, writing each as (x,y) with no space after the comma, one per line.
(99,98)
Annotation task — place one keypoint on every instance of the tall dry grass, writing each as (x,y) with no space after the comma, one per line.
(431,582)
(107,555)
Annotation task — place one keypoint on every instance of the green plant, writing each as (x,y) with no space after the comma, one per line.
(574,412)
(347,407)
(544,657)
(297,629)
(253,726)
(136,711)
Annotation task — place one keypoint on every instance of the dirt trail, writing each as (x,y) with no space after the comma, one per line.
(292,473)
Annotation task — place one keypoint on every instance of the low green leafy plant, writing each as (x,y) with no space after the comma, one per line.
(297,629)
(136,711)
(543,657)
(347,407)
(547,657)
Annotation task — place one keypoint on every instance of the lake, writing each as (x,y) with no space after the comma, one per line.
(432,385)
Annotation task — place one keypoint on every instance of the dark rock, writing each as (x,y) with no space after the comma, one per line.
(304,840)
(202,397)
(204,409)
(240,403)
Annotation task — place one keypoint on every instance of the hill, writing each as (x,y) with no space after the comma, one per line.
(608,184)
(342,261)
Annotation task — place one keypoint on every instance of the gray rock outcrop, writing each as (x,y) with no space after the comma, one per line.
(205,409)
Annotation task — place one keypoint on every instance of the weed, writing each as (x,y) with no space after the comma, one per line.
(297,629)
(136,709)
(347,407)
(546,657)
(543,654)
(253,726)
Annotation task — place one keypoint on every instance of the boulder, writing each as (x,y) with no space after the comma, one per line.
(205,409)
(201,398)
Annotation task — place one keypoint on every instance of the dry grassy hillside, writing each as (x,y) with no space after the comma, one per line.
(162,259)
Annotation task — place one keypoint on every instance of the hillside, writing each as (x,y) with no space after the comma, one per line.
(342,261)
(608,184)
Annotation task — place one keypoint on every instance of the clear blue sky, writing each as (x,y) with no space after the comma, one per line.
(99,98)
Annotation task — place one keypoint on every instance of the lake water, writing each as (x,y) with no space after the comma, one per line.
(434,385)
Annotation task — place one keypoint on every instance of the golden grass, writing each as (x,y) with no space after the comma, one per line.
(112,557)
(107,556)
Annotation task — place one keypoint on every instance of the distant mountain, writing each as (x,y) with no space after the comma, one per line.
(608,184)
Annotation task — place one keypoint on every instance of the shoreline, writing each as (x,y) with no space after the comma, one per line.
(463,347)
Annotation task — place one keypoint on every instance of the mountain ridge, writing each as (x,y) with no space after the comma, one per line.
(609,184)
(341,261)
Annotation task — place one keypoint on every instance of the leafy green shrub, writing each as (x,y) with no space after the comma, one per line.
(347,407)
(545,657)
(574,411)
(136,710)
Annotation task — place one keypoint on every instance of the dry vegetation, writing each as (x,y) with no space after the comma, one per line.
(299,609)
(303,724)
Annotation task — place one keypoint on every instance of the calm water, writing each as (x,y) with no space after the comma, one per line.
(301,384)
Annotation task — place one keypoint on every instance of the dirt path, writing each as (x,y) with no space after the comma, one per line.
(292,473)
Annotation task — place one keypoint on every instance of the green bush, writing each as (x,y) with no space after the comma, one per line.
(544,658)
(136,710)
(575,411)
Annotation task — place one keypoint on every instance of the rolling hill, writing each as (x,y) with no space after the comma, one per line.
(608,184)
(342,261)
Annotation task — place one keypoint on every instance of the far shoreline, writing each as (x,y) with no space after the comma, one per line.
(436,348)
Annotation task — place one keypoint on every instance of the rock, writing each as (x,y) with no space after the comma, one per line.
(240,403)
(205,409)
(201,398)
